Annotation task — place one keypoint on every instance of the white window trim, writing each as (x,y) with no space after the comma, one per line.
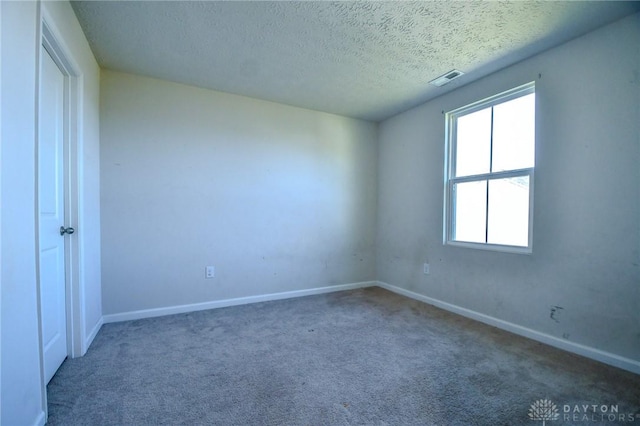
(450,180)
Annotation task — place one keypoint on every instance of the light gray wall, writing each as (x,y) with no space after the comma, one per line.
(22,387)
(277,198)
(21,396)
(587,188)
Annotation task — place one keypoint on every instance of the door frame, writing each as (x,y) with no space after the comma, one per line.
(51,41)
(1,199)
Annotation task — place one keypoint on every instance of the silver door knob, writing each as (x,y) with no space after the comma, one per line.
(68,230)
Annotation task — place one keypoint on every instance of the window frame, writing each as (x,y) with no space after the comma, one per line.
(450,167)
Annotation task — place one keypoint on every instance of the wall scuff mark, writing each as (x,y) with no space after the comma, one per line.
(555,311)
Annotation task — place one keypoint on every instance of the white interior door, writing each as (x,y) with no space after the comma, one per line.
(51,215)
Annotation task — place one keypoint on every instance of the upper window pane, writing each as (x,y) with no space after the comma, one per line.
(473,147)
(514,134)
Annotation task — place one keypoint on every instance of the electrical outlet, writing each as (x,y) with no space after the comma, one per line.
(425,269)
(210,272)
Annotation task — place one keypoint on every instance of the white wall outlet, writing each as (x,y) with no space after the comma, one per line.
(210,272)
(425,269)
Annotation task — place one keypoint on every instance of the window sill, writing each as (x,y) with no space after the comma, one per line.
(491,247)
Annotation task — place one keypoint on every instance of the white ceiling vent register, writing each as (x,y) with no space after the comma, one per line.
(447,77)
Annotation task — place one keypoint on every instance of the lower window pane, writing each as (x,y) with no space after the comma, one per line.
(509,211)
(470,211)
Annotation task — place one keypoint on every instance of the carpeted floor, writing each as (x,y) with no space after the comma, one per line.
(362,357)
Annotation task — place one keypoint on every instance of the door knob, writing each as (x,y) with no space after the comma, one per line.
(68,230)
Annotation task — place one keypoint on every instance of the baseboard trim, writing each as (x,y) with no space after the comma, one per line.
(40,420)
(171,310)
(576,348)
(586,351)
(92,335)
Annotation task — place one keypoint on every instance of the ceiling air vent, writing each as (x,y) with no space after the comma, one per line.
(444,79)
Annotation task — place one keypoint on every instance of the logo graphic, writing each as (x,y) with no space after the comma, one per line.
(543,409)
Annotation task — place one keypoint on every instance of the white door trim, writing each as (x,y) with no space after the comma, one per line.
(72,126)
(51,40)
(1,200)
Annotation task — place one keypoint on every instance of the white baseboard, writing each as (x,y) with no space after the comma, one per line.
(92,335)
(586,351)
(171,310)
(40,420)
(576,348)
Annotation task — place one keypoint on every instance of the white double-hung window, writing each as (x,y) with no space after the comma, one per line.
(489,172)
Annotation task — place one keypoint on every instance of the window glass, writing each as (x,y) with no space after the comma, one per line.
(471,209)
(473,152)
(508,211)
(514,134)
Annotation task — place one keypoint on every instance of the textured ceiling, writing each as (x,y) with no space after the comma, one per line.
(361,59)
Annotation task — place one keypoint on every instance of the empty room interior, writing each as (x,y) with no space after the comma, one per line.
(297,213)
